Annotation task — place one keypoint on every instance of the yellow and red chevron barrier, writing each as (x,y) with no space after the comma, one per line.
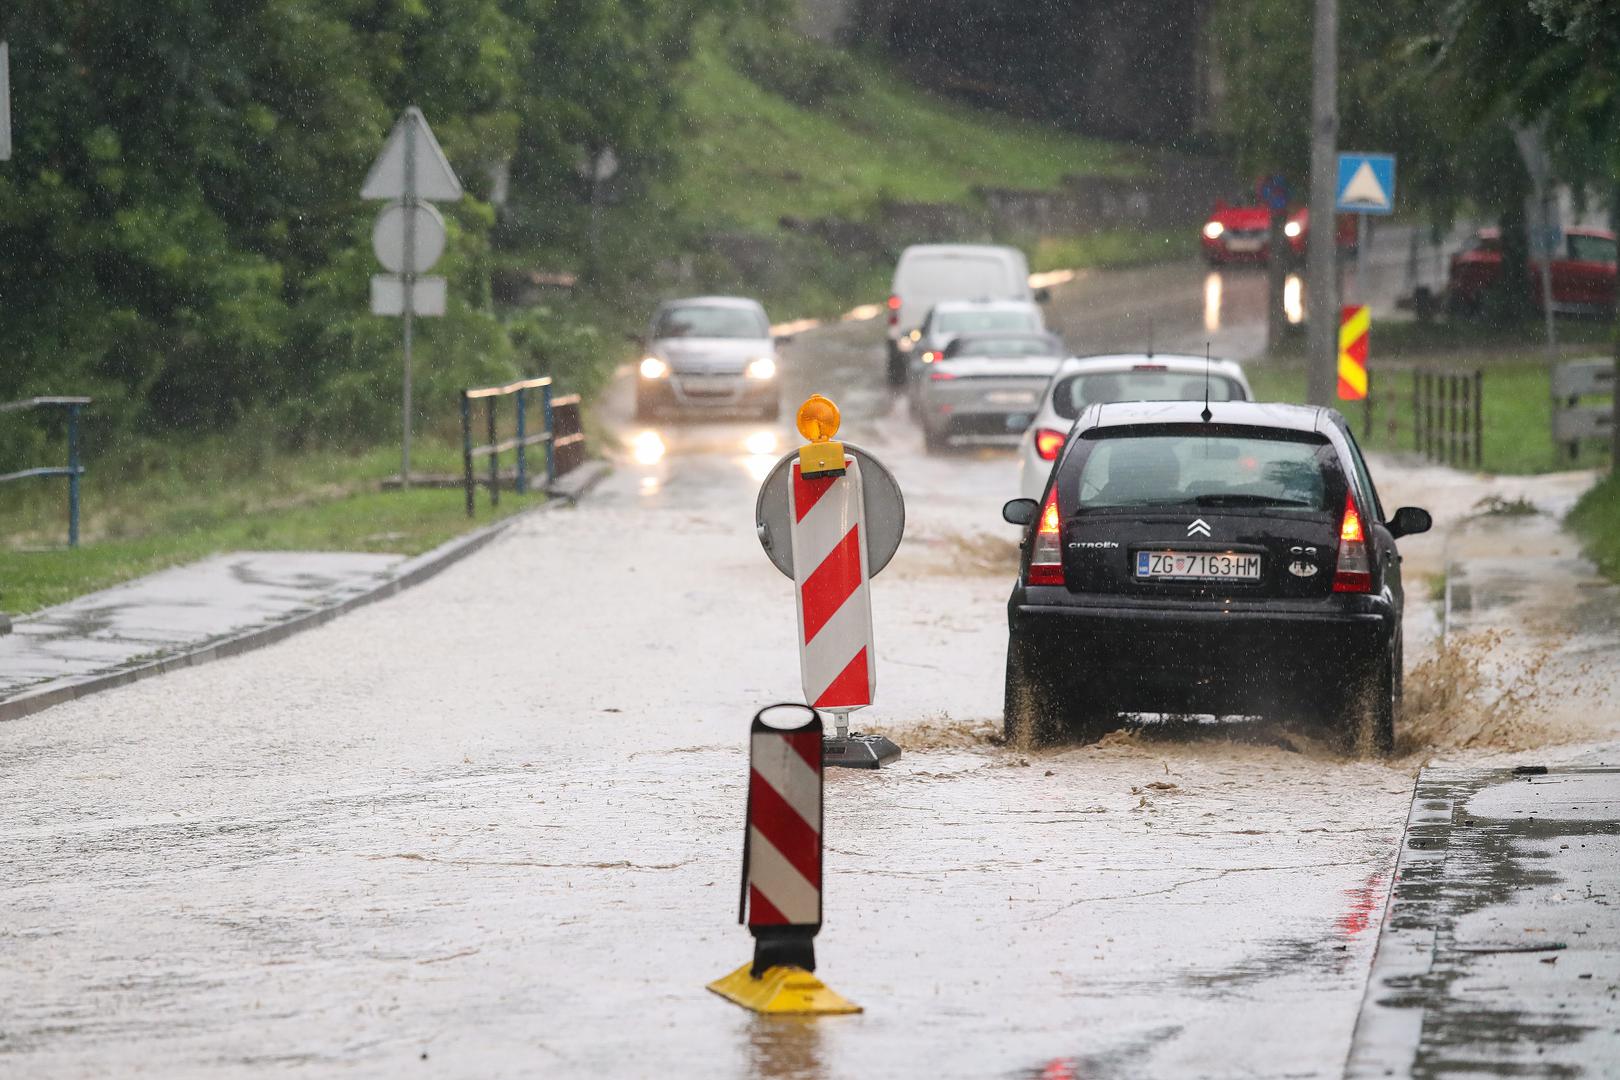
(1354,324)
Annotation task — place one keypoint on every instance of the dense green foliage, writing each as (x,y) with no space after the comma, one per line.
(180,229)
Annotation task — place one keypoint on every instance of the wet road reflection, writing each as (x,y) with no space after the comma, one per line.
(785,1048)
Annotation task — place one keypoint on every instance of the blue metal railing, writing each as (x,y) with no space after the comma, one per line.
(563,432)
(521,442)
(73,470)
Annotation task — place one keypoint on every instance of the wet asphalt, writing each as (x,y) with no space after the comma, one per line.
(492,827)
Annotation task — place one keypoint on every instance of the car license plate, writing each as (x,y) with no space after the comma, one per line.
(1010,397)
(1198,565)
(1243,245)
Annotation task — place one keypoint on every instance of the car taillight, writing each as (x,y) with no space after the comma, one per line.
(1354,570)
(894,311)
(941,376)
(1046,559)
(1048,443)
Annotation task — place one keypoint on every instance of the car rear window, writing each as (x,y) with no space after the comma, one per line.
(966,322)
(1007,346)
(1591,248)
(1283,471)
(1074,393)
(698,321)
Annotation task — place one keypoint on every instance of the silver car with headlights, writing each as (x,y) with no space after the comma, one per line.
(985,386)
(709,355)
(1091,380)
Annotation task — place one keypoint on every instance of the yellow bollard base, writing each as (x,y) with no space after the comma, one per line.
(782,991)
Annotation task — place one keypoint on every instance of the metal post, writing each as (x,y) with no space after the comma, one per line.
(1431,439)
(409,280)
(1322,292)
(466,450)
(1363,295)
(1416,412)
(521,484)
(73,476)
(1276,282)
(1479,419)
(551,435)
(840,723)
(1367,408)
(1465,450)
(1452,390)
(494,456)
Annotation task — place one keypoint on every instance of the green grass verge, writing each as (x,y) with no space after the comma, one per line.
(179,513)
(1517,415)
(1596,520)
(750,156)
(1113,249)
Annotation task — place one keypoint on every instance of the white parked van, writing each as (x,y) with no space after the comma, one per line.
(930,273)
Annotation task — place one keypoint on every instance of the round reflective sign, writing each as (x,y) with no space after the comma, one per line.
(884,506)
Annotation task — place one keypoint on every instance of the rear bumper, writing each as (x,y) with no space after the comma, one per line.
(969,416)
(1163,658)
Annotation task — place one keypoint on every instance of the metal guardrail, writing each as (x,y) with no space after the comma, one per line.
(1445,409)
(1448,416)
(1574,419)
(562,434)
(73,470)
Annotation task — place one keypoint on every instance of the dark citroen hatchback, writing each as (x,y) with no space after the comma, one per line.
(1228,558)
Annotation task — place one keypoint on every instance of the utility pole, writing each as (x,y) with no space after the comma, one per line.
(1322,278)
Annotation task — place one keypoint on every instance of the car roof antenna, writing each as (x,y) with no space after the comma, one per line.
(1206,414)
(1150,337)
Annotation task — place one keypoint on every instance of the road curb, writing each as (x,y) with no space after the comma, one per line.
(1493,885)
(412,571)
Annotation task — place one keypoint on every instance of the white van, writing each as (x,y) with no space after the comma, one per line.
(930,273)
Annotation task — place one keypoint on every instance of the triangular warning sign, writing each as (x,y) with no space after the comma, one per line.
(434,179)
(1364,190)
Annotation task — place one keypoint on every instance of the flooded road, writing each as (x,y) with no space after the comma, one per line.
(492,827)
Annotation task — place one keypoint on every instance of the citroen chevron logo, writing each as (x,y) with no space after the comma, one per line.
(1200,527)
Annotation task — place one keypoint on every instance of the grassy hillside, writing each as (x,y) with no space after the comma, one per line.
(752,155)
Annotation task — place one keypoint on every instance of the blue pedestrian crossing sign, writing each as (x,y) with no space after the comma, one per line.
(1366,184)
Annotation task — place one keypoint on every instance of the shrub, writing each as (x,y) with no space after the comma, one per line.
(805,72)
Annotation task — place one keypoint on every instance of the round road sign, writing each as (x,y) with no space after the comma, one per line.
(885,512)
(388,237)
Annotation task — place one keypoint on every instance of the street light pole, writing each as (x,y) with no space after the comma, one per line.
(1322,284)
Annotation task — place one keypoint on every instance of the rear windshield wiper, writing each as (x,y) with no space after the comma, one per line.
(1235,498)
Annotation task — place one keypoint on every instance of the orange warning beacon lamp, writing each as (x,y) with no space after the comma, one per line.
(818,421)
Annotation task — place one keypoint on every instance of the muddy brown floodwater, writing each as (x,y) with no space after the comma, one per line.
(495,822)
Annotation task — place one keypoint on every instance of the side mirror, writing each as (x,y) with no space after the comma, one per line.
(784,339)
(1409,521)
(1020,511)
(1043,296)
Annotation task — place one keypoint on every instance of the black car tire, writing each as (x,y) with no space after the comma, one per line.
(1369,720)
(645,411)
(935,442)
(1030,714)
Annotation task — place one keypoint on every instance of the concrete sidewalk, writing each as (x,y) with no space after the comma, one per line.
(177,611)
(1500,949)
(216,607)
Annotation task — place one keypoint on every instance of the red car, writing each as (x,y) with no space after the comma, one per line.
(1242,233)
(1583,273)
